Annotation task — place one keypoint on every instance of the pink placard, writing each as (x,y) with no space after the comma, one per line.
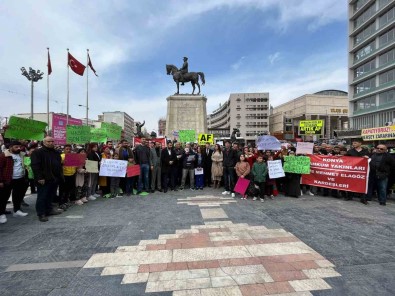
(242,185)
(133,170)
(59,127)
(74,159)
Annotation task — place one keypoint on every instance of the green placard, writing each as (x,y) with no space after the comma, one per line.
(113,131)
(297,164)
(98,135)
(187,136)
(23,128)
(78,134)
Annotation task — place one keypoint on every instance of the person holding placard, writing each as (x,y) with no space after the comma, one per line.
(104,181)
(188,167)
(259,173)
(242,169)
(93,177)
(199,178)
(114,182)
(82,180)
(67,188)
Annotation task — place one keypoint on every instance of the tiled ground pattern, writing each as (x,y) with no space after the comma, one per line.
(220,258)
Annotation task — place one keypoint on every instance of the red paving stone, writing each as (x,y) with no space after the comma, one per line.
(278,266)
(157,267)
(287,275)
(304,265)
(290,258)
(155,247)
(192,245)
(278,288)
(143,268)
(177,266)
(253,290)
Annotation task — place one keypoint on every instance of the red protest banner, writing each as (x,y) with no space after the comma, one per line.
(162,141)
(74,159)
(342,173)
(133,170)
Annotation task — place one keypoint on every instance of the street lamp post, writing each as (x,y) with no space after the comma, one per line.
(87,110)
(32,76)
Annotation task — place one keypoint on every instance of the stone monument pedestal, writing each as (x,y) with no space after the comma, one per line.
(186,112)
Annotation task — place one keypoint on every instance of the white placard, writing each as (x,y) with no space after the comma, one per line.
(91,166)
(113,168)
(199,171)
(304,148)
(268,143)
(275,168)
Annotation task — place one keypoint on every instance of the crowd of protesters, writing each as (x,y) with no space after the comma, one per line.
(40,166)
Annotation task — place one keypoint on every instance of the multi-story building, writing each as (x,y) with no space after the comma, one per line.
(161,126)
(248,112)
(328,105)
(122,119)
(371,63)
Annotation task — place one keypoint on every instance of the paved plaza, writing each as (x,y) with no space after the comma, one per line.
(202,243)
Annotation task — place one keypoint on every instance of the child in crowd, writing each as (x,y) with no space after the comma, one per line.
(243,170)
(114,182)
(259,172)
(82,182)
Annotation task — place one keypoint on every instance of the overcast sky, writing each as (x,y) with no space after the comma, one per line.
(285,47)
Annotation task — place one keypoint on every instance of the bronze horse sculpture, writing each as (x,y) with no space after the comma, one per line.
(192,77)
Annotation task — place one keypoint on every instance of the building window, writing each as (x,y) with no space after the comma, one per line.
(365,34)
(383,3)
(364,68)
(359,4)
(387,37)
(365,103)
(387,57)
(387,17)
(365,85)
(387,97)
(365,15)
(387,77)
(363,52)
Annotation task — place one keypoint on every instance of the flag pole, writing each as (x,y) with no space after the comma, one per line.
(48,95)
(87,96)
(68,91)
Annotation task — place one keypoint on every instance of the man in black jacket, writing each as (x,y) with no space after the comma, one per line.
(380,168)
(230,159)
(207,163)
(46,163)
(168,167)
(143,159)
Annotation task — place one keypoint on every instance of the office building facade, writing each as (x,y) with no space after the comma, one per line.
(371,63)
(248,112)
(122,119)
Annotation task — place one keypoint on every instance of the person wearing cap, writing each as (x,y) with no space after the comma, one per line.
(46,163)
(12,179)
(183,69)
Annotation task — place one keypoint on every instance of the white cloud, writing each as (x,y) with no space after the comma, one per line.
(274,57)
(121,32)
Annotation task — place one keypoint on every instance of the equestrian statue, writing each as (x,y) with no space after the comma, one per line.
(182,75)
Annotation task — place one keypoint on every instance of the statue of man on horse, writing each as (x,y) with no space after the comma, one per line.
(182,75)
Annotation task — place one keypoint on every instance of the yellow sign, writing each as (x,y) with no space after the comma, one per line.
(378,133)
(311,127)
(205,138)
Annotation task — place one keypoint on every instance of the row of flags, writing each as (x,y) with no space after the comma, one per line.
(74,65)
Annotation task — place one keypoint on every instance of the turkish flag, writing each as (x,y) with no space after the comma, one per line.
(90,65)
(76,66)
(49,65)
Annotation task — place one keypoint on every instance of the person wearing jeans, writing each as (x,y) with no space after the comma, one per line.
(188,167)
(12,179)
(143,159)
(380,168)
(229,162)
